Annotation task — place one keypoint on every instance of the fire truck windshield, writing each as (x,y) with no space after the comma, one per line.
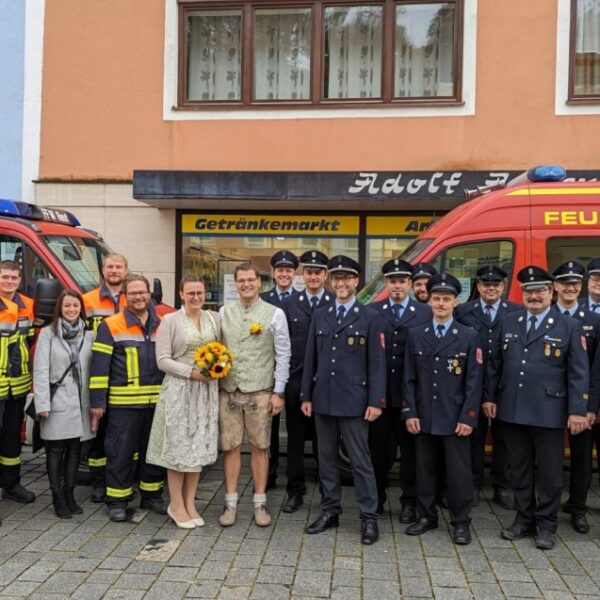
(81,257)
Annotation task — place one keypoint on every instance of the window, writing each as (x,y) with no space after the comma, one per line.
(584,81)
(383,52)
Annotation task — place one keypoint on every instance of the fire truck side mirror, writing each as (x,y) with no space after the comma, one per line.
(157,292)
(45,295)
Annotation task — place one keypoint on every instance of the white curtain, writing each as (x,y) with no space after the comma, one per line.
(214,55)
(353,44)
(587,48)
(424,51)
(282,54)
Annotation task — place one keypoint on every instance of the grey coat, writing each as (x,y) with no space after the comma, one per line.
(68,418)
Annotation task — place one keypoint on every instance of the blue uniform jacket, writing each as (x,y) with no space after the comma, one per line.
(471,314)
(272,297)
(298,312)
(541,381)
(396,335)
(344,365)
(443,379)
(590,323)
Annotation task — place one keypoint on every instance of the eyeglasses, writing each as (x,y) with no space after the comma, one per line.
(134,294)
(194,294)
(344,278)
(247,280)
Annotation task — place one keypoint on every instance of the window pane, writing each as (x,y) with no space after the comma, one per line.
(586,80)
(424,55)
(214,55)
(352,66)
(282,54)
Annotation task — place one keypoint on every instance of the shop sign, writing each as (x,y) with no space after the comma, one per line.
(269,225)
(405,226)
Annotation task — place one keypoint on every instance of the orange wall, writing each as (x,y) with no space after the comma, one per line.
(102,106)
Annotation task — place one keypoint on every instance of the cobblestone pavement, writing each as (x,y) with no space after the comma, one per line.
(88,557)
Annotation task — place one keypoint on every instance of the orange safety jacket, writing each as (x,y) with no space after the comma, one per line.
(99,304)
(124,371)
(9,334)
(19,367)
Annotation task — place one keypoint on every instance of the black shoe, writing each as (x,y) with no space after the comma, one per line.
(462,535)
(325,521)
(503,498)
(517,531)
(408,512)
(421,526)
(369,532)
(545,540)
(154,503)
(476,496)
(98,496)
(19,494)
(117,515)
(580,523)
(73,506)
(61,508)
(271,482)
(292,504)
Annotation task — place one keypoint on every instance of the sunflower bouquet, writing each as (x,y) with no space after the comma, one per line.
(214,360)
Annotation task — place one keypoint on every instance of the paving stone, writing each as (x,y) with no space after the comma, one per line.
(131,581)
(83,565)
(346,593)
(234,593)
(284,558)
(63,583)
(270,591)
(275,574)
(346,577)
(487,591)
(20,588)
(581,585)
(213,570)
(204,589)
(373,588)
(167,590)
(103,576)
(443,579)
(446,593)
(510,572)
(116,594)
(520,589)
(241,577)
(90,591)
(419,588)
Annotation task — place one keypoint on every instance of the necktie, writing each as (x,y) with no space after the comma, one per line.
(488,311)
(396,308)
(440,332)
(532,327)
(567,313)
(284,296)
(313,302)
(341,314)
(595,307)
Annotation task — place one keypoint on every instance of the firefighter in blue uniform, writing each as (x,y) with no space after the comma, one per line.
(124,376)
(592,302)
(400,313)
(343,385)
(284,264)
(299,309)
(484,315)
(443,378)
(537,383)
(568,281)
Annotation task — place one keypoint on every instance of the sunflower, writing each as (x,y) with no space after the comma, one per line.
(256,328)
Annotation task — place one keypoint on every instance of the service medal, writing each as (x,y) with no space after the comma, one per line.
(350,341)
(455,363)
(547,349)
(557,353)
(362,341)
(458,370)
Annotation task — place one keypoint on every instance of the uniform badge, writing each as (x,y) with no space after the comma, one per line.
(382,339)
(362,341)
(455,363)
(546,349)
(557,353)
(584,343)
(301,298)
(458,370)
(479,355)
(350,341)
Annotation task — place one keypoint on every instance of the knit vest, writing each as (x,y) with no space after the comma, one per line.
(253,366)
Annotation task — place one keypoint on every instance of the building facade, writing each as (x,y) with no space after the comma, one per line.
(197,134)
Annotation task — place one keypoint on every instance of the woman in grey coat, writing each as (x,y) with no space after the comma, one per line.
(62,356)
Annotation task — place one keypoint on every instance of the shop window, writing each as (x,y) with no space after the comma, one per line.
(320,53)
(584,81)
(581,249)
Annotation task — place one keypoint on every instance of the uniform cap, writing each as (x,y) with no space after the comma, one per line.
(313,259)
(284,258)
(397,268)
(533,277)
(569,272)
(343,264)
(593,266)
(423,269)
(444,282)
(491,274)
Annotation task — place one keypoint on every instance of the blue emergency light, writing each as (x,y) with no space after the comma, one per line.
(546,173)
(15,208)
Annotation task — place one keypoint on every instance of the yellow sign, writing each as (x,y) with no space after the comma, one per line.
(410,226)
(270,225)
(571,217)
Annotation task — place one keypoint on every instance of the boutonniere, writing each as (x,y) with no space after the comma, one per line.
(256,329)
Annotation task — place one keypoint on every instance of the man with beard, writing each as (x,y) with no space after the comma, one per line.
(100,303)
(422,273)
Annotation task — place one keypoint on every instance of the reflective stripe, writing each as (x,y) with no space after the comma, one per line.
(24,351)
(100,347)
(20,384)
(10,462)
(133,366)
(97,462)
(100,312)
(98,382)
(125,401)
(4,341)
(128,337)
(6,326)
(151,487)
(134,390)
(119,493)
(136,456)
